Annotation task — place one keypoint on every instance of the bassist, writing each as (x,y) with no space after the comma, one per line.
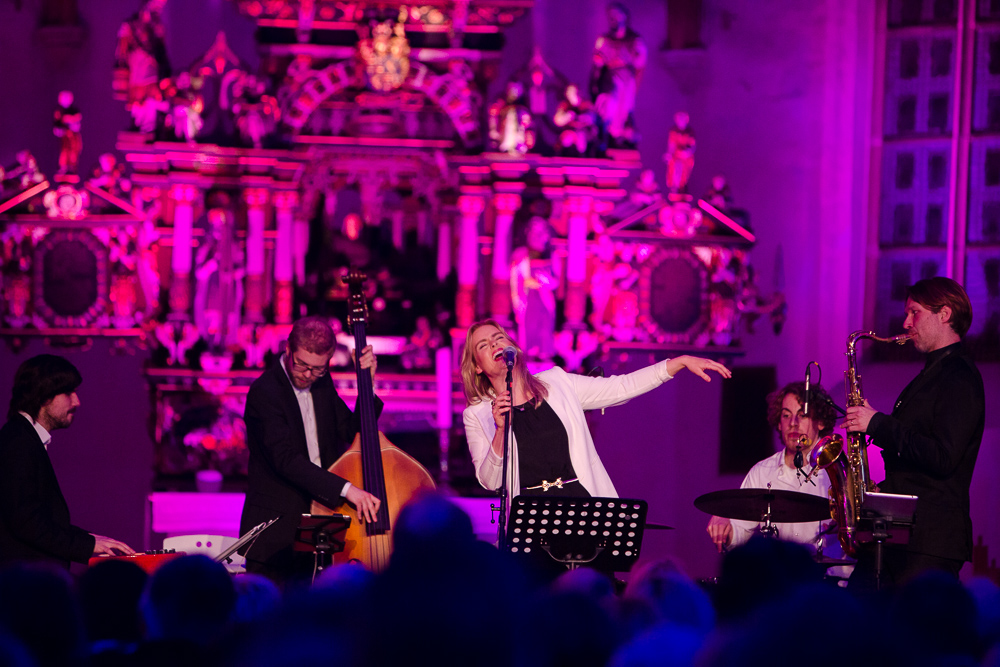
(297,425)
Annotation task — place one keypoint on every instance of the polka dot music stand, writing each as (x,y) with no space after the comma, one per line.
(601,533)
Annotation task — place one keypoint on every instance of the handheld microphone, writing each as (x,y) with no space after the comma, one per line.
(509,355)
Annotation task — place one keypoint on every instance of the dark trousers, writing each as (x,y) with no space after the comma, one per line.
(898,567)
(285,568)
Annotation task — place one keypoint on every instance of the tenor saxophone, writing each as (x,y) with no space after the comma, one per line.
(847,466)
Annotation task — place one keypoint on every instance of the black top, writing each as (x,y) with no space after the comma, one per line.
(930,443)
(543,451)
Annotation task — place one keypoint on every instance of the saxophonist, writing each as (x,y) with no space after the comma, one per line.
(931,438)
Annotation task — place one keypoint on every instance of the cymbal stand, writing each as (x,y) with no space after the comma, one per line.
(768,529)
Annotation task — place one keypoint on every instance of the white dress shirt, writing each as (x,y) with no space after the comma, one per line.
(773,471)
(43,434)
(308,410)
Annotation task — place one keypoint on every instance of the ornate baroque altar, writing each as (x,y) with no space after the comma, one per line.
(364,138)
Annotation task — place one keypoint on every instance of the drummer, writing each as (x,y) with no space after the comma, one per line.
(788,469)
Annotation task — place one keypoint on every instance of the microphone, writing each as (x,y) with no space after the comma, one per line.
(805,403)
(509,354)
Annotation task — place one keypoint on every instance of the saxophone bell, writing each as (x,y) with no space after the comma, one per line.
(826,451)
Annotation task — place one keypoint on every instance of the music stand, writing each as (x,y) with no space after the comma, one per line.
(602,533)
(248,537)
(885,518)
(322,535)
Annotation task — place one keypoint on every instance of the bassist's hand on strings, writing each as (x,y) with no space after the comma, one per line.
(365,503)
(368,359)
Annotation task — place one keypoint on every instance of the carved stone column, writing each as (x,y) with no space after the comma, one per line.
(181,259)
(300,246)
(506,205)
(471,208)
(578,210)
(443,249)
(285,203)
(256,199)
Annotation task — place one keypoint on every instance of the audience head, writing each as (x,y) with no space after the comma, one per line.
(431,529)
(256,597)
(987,598)
(191,598)
(938,614)
(762,569)
(109,596)
(38,606)
(671,596)
(811,623)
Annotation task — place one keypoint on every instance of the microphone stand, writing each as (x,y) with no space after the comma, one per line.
(829,401)
(504,490)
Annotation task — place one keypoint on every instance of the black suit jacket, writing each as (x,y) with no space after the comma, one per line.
(34,517)
(282,481)
(930,444)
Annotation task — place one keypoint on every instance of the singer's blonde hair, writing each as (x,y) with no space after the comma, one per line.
(477,386)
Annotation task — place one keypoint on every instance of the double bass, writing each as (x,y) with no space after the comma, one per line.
(372,463)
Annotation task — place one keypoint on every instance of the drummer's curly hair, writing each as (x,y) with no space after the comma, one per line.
(820,405)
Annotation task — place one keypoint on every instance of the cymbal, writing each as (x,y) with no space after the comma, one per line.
(750,505)
(657,526)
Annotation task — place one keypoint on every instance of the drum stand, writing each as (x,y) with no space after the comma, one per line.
(768,529)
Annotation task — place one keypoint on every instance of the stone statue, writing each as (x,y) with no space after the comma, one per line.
(186,106)
(219,271)
(534,277)
(256,112)
(618,62)
(510,122)
(141,54)
(418,352)
(680,154)
(109,175)
(575,118)
(24,174)
(66,125)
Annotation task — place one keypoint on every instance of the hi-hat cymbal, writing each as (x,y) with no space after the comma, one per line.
(657,526)
(750,505)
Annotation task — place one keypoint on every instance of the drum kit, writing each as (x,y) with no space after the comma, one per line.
(768,507)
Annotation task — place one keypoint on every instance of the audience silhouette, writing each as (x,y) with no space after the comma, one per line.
(449,599)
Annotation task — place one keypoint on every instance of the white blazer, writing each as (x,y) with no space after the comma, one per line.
(569,396)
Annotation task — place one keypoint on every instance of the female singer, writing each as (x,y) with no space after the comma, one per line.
(551,449)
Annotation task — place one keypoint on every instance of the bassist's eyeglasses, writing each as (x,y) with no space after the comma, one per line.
(315,371)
